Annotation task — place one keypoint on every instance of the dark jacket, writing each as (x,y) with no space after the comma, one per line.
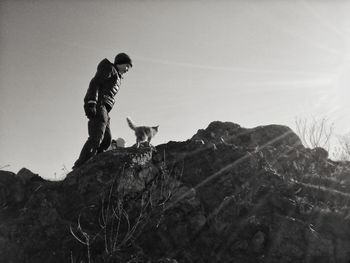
(104,85)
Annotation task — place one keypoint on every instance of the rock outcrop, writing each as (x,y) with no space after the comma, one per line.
(228,194)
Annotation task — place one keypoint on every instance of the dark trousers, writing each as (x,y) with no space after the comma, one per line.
(100,137)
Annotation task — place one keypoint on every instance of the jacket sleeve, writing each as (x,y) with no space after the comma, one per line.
(103,72)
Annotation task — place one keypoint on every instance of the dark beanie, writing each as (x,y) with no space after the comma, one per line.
(122,58)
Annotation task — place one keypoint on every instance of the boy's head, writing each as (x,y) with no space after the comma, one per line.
(123,62)
(122,58)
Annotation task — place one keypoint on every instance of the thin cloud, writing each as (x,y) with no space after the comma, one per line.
(231,69)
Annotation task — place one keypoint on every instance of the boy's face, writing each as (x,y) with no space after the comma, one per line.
(123,68)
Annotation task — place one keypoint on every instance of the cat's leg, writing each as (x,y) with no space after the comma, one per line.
(149,138)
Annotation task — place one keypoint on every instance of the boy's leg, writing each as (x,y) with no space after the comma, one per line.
(96,128)
(107,139)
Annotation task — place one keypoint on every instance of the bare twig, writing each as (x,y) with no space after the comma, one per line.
(315,133)
(85,235)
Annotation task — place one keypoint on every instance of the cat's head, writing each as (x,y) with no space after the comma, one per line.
(155,129)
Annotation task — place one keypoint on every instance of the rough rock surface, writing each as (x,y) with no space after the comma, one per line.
(228,194)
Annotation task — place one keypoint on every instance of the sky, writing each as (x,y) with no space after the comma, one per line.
(255,62)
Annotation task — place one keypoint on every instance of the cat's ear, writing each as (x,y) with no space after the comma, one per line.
(156,127)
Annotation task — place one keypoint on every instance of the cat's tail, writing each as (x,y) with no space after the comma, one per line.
(131,124)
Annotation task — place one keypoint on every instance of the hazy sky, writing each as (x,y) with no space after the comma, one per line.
(249,62)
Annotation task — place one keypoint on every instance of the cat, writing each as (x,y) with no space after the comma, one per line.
(142,133)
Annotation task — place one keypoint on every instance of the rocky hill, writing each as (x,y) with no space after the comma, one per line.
(228,194)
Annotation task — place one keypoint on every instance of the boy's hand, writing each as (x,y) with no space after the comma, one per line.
(90,110)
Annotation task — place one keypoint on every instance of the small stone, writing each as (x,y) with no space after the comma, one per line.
(258,241)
